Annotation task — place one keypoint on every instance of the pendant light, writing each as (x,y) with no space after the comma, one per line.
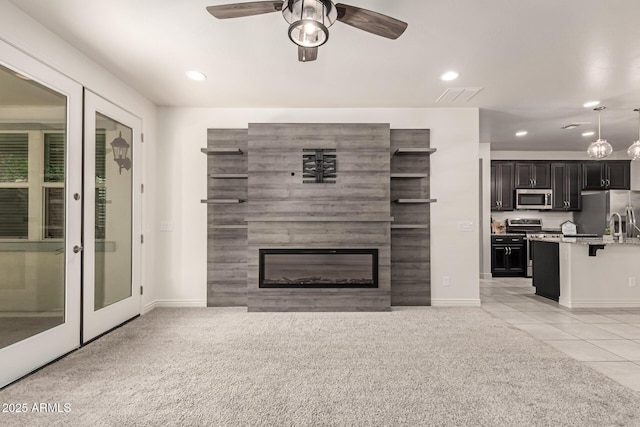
(601,148)
(634,149)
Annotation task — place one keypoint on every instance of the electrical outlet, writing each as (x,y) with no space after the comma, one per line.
(166,226)
(445,281)
(632,281)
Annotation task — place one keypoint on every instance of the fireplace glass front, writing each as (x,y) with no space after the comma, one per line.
(318,268)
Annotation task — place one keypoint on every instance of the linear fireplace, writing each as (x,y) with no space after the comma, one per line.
(318,268)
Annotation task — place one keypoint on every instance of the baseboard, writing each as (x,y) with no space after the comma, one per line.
(174,303)
(455,302)
(600,304)
(486,275)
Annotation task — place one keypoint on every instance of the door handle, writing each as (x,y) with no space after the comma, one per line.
(608,182)
(77,249)
(602,182)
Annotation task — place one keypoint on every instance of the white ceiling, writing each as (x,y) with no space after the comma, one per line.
(537,61)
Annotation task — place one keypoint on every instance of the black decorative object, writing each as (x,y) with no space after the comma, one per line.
(120,148)
(318,165)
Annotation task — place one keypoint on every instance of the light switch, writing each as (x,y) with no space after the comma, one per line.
(465,226)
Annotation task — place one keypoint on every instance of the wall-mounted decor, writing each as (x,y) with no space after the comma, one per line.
(318,166)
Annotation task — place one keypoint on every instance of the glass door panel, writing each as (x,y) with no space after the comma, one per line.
(113,213)
(40,163)
(110,279)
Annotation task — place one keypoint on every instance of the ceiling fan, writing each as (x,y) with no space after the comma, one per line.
(310,19)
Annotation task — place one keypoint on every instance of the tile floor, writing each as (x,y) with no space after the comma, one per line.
(606,339)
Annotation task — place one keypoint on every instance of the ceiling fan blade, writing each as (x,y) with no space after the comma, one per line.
(372,22)
(240,10)
(307,54)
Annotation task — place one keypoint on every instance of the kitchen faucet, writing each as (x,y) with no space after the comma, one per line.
(613,226)
(632,228)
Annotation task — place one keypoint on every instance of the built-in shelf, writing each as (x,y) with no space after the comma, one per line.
(222,201)
(409,175)
(223,151)
(408,150)
(373,218)
(230,175)
(414,201)
(230,227)
(409,226)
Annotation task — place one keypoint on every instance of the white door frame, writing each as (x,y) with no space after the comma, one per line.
(95,323)
(31,353)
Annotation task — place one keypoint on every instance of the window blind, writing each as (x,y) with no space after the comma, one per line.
(14,213)
(54,157)
(14,157)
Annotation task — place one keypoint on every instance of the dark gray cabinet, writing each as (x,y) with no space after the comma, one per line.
(502,174)
(532,175)
(606,175)
(546,269)
(566,183)
(508,256)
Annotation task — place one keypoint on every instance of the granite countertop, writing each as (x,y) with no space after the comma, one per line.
(631,241)
(508,234)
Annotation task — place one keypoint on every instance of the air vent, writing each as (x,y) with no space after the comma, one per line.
(575,125)
(459,94)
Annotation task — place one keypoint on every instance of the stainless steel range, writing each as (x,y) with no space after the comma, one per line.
(527,227)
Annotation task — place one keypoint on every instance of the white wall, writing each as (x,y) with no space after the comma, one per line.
(26,34)
(485,209)
(182,253)
(552,155)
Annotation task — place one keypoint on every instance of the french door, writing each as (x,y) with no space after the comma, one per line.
(112,236)
(40,213)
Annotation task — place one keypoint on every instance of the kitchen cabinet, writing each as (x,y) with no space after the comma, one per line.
(606,175)
(566,183)
(532,175)
(508,256)
(546,269)
(502,186)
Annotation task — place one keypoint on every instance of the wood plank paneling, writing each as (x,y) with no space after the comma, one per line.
(361,192)
(285,213)
(226,248)
(410,248)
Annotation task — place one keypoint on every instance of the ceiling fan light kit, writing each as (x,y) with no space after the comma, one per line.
(309,20)
(601,148)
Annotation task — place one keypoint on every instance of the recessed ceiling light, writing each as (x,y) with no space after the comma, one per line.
(449,75)
(521,133)
(591,104)
(196,75)
(588,134)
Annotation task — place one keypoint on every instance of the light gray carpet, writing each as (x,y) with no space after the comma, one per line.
(413,366)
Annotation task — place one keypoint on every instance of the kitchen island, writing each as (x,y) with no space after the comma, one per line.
(587,272)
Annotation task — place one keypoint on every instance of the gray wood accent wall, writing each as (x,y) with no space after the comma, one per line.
(280,212)
(226,237)
(410,247)
(285,213)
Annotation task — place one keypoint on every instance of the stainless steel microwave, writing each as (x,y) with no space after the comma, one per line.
(534,198)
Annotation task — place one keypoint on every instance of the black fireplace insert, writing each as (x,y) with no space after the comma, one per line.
(318,268)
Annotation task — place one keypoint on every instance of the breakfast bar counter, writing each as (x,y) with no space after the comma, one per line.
(587,272)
